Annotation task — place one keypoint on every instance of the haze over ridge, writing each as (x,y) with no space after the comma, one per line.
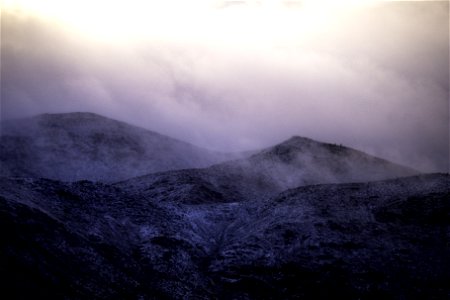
(372,77)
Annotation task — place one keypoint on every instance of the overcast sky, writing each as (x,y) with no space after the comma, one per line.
(239,75)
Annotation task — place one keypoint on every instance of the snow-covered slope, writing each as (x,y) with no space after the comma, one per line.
(81,240)
(302,219)
(295,162)
(385,239)
(77,146)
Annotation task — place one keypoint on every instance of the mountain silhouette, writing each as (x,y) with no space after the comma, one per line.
(295,162)
(87,146)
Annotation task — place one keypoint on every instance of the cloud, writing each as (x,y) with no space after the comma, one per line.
(376,80)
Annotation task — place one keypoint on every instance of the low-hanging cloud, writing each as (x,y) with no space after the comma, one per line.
(376,80)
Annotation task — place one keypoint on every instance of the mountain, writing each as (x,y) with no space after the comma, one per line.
(295,162)
(384,239)
(76,146)
(320,162)
(301,219)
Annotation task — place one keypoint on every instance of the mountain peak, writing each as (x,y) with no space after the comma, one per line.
(84,145)
(297,141)
(73,116)
(302,143)
(76,114)
(324,162)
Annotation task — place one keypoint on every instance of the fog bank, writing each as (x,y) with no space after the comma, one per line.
(243,76)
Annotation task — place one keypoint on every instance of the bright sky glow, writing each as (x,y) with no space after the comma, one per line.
(218,22)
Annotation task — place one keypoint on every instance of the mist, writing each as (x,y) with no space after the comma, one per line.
(372,77)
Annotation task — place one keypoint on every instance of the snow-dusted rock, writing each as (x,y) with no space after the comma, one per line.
(357,240)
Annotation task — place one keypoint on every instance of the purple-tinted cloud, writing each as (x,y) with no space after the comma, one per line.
(377,81)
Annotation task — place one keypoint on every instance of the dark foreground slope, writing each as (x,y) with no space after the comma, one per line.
(90,241)
(295,162)
(76,146)
(386,239)
(379,240)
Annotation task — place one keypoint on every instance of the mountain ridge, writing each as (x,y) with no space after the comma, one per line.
(267,172)
(78,146)
(88,146)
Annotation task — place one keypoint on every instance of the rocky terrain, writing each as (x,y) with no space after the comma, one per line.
(82,240)
(86,146)
(300,220)
(386,239)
